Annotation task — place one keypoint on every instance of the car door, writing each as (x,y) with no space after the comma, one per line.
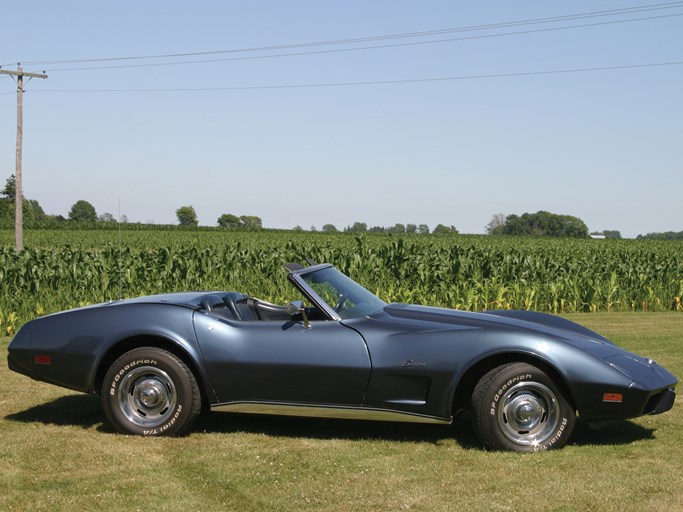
(277,361)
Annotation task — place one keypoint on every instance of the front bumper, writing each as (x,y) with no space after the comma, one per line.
(660,402)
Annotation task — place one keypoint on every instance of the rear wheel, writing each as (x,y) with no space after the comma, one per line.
(518,407)
(149,391)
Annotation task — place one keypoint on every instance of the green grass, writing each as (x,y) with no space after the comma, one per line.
(57,454)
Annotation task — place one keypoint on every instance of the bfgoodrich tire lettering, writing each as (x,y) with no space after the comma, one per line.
(150,392)
(518,407)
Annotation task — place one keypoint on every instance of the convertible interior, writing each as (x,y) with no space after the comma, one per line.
(239,306)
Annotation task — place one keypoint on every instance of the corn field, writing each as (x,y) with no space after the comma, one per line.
(61,270)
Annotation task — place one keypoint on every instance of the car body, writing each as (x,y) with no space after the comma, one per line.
(155,360)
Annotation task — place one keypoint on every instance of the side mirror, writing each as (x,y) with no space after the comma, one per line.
(296,307)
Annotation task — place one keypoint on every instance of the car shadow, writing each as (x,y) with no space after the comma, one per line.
(461,431)
(85,411)
(615,433)
(73,410)
(354,430)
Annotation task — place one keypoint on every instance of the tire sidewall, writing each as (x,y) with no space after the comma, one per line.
(505,379)
(164,361)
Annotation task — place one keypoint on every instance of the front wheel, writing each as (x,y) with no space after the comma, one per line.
(149,391)
(518,407)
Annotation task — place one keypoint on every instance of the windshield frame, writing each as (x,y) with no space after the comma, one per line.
(342,284)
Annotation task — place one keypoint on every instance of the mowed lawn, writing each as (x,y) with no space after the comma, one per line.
(56,453)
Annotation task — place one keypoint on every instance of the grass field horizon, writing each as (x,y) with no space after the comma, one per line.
(57,453)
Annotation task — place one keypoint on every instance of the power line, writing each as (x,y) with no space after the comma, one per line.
(378,82)
(592,14)
(360,48)
(2,77)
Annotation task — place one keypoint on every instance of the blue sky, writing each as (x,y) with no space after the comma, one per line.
(605,146)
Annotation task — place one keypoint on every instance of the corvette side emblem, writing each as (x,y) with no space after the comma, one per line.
(413,364)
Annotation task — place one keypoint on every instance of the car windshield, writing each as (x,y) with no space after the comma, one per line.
(345,296)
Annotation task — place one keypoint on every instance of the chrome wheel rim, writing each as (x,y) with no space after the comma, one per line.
(528,413)
(147,396)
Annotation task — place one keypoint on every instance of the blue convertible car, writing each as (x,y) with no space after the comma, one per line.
(339,352)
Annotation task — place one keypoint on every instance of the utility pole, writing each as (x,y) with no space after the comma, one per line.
(19,193)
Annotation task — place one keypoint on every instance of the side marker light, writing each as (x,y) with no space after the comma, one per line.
(41,359)
(612,397)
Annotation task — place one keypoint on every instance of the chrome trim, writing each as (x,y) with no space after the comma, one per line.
(312,296)
(408,402)
(312,268)
(328,411)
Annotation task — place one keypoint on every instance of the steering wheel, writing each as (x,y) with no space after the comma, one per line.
(340,303)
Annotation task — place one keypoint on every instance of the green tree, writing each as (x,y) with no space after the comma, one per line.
(329,228)
(440,229)
(543,223)
(106,217)
(496,224)
(82,211)
(33,212)
(6,209)
(411,228)
(9,191)
(612,233)
(186,216)
(423,229)
(229,221)
(251,222)
(358,227)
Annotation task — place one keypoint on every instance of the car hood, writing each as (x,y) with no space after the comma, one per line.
(548,326)
(541,323)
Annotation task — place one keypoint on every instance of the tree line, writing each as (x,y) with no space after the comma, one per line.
(81,210)
(362,227)
(539,224)
(667,235)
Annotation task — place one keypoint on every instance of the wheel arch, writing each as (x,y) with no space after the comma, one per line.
(466,384)
(147,340)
